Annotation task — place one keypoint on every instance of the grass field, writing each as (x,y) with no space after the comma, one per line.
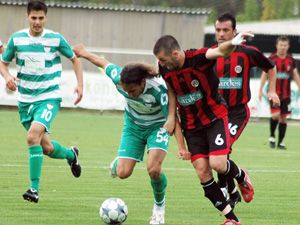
(65,200)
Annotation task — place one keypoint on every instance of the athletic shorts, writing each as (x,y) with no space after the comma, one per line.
(135,138)
(210,140)
(238,118)
(42,112)
(284,108)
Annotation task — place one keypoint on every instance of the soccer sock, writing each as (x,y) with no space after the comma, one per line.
(60,152)
(159,187)
(231,186)
(222,181)
(273,125)
(233,171)
(35,165)
(282,130)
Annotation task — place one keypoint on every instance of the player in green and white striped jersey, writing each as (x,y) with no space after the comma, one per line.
(146,113)
(38,63)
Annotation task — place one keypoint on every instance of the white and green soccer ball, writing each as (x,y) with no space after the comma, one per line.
(113,211)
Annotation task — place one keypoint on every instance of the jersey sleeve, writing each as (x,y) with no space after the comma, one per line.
(199,59)
(114,73)
(163,99)
(258,59)
(65,49)
(10,51)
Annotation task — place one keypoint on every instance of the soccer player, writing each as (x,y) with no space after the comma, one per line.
(39,71)
(234,74)
(286,71)
(146,113)
(203,114)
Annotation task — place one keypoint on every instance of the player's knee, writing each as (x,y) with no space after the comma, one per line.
(123,173)
(154,172)
(47,148)
(219,166)
(32,139)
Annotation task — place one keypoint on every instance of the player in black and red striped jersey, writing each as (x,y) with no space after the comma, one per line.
(234,74)
(203,114)
(286,72)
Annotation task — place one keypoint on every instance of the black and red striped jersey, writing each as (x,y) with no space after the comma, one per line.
(285,67)
(234,73)
(196,89)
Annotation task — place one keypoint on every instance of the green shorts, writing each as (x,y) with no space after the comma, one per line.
(42,112)
(135,138)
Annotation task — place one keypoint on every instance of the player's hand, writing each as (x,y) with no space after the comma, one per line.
(184,154)
(79,50)
(11,82)
(79,91)
(273,97)
(169,125)
(240,38)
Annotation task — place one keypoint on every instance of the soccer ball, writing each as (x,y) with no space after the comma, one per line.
(113,211)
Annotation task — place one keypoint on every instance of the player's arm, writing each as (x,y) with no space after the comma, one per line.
(272,96)
(7,56)
(296,78)
(264,77)
(170,123)
(227,47)
(183,153)
(81,51)
(77,67)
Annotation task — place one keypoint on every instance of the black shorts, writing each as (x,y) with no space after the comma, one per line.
(284,108)
(210,140)
(238,118)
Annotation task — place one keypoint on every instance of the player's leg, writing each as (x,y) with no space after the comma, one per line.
(275,114)
(198,146)
(157,144)
(56,151)
(131,150)
(285,111)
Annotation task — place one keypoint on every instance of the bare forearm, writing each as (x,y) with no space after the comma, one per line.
(78,71)
(272,79)
(95,59)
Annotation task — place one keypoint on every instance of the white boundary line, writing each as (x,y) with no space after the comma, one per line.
(164,168)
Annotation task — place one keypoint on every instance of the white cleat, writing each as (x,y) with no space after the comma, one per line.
(113,173)
(158,215)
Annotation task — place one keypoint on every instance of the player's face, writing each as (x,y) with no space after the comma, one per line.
(134,90)
(282,47)
(171,61)
(37,20)
(224,31)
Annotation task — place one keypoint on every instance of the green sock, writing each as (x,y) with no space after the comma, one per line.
(35,165)
(159,187)
(60,152)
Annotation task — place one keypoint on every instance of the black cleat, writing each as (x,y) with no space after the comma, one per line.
(281,146)
(234,199)
(75,165)
(31,195)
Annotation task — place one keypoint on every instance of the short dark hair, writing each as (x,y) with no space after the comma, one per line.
(282,38)
(36,5)
(134,73)
(227,17)
(167,43)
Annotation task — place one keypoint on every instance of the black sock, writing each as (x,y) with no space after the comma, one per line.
(273,125)
(282,130)
(231,216)
(234,172)
(213,192)
(230,185)
(222,181)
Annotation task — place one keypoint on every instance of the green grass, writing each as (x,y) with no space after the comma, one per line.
(65,200)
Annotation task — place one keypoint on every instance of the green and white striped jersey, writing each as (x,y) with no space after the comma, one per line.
(151,107)
(38,63)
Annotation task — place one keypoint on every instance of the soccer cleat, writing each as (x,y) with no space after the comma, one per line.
(75,165)
(281,146)
(234,199)
(158,215)
(31,195)
(272,142)
(246,188)
(112,171)
(231,222)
